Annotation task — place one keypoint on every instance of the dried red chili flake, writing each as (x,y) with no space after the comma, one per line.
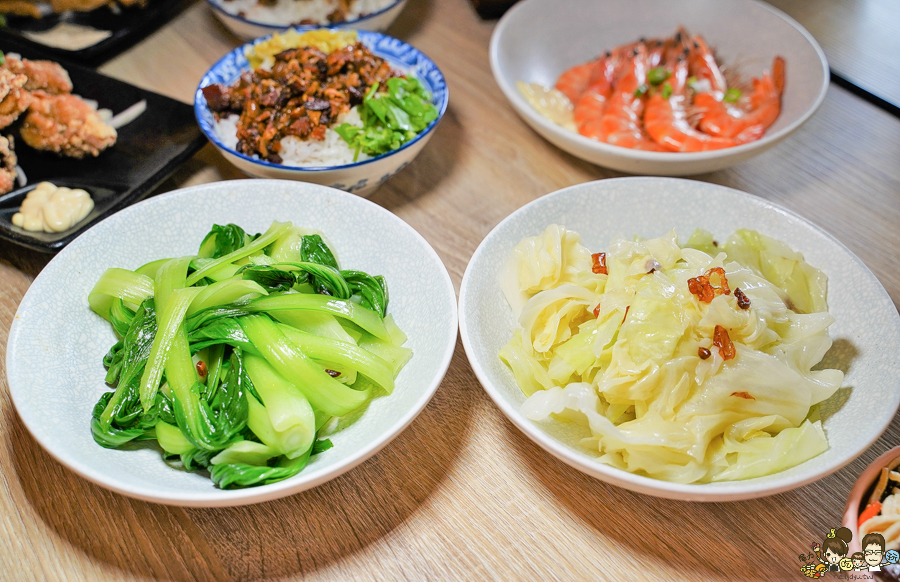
(723,342)
(626,314)
(201,369)
(707,286)
(597,311)
(332,373)
(599,266)
(704,353)
(744,395)
(742,300)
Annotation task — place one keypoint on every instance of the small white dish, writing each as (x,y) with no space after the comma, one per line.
(539,39)
(56,343)
(247,28)
(866,319)
(362,177)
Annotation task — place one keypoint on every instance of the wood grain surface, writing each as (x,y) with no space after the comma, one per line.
(461,494)
(859,37)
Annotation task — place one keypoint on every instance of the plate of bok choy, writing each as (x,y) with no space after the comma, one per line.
(231,343)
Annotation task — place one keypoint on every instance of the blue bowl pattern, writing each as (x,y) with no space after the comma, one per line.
(399,54)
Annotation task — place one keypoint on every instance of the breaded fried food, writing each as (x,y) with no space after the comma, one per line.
(77,5)
(21,8)
(66,125)
(7,165)
(47,76)
(14,99)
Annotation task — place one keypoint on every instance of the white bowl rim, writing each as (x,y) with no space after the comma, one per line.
(710,492)
(302,169)
(535,118)
(216,497)
(277,27)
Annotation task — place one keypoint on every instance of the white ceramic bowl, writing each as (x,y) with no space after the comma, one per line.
(249,29)
(866,319)
(539,39)
(56,343)
(361,178)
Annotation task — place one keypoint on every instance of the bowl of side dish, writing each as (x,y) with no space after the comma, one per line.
(636,209)
(251,19)
(392,118)
(55,358)
(872,508)
(538,40)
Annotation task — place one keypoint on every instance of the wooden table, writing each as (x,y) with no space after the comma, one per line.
(461,494)
(859,38)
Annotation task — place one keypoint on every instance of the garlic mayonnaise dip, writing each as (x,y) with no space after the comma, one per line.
(52,209)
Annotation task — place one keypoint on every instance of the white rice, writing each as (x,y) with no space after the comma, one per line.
(331,151)
(293,11)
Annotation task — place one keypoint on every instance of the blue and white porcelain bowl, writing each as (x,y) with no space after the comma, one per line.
(250,29)
(362,177)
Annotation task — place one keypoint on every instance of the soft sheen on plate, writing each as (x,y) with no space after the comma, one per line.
(54,353)
(865,318)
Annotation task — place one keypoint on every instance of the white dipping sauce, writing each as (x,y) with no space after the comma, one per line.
(51,209)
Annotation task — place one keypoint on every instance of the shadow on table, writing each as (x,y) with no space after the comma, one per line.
(433,165)
(288,537)
(758,539)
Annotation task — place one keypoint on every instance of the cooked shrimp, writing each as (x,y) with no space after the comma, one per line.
(702,62)
(665,120)
(620,123)
(574,81)
(727,120)
(592,103)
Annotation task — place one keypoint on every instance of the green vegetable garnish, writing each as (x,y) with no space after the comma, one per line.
(234,359)
(391,118)
(2,23)
(667,91)
(690,81)
(657,75)
(731,96)
(641,91)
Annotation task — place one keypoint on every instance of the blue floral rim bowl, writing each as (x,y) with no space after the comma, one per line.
(361,178)
(249,29)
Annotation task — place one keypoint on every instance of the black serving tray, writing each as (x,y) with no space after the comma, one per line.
(148,150)
(128,25)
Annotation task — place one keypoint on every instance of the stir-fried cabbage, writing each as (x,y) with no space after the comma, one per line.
(627,350)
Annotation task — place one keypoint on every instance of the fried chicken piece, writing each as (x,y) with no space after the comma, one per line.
(47,76)
(66,125)
(7,165)
(77,5)
(20,8)
(14,99)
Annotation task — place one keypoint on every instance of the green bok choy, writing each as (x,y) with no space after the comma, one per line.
(236,359)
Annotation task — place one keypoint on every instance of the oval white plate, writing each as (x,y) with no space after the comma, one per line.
(56,343)
(867,320)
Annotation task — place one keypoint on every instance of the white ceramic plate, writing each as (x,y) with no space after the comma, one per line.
(249,29)
(56,344)
(539,39)
(866,319)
